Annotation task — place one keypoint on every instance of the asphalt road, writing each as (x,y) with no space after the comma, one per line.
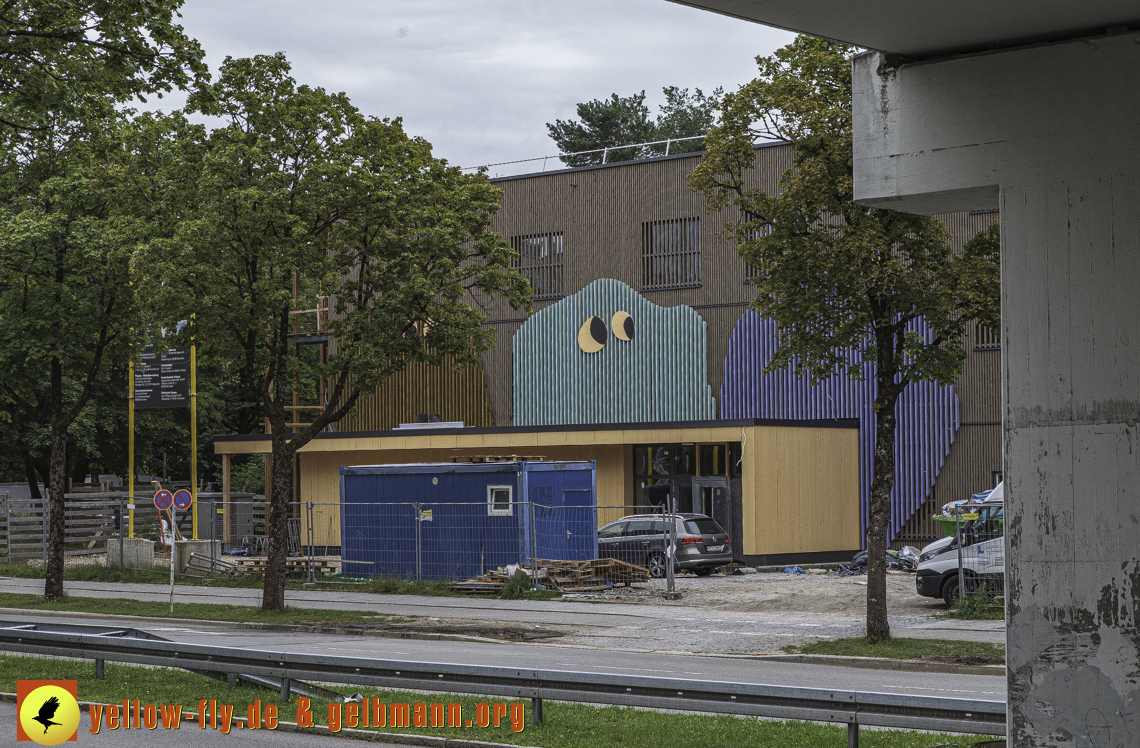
(187,734)
(645,626)
(738,669)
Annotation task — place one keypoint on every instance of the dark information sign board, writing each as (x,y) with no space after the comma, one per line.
(162,380)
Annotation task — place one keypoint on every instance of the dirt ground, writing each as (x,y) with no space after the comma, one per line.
(794,593)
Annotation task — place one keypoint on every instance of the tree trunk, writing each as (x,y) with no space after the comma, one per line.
(30,476)
(53,584)
(280,505)
(883,481)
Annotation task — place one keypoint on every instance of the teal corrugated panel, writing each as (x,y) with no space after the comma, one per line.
(659,375)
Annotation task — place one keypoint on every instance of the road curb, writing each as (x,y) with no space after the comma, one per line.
(280,627)
(345,732)
(884,663)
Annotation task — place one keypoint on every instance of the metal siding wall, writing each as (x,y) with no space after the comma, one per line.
(928,415)
(660,375)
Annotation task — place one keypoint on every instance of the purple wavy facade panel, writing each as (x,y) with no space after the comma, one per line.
(927,413)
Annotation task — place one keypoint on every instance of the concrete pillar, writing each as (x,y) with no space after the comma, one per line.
(1071,352)
(1050,134)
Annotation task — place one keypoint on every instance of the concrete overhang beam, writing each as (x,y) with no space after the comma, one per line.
(934,29)
(943,136)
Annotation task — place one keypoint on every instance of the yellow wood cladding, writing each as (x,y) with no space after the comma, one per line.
(455,395)
(800,488)
(800,484)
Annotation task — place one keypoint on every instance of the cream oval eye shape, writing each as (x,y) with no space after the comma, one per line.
(592,335)
(622,325)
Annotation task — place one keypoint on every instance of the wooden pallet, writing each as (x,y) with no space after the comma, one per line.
(594,575)
(293,564)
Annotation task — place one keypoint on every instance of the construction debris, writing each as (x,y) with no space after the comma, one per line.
(594,575)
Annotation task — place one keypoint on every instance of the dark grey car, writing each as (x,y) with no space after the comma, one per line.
(642,539)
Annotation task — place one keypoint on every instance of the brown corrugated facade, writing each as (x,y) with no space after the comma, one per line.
(601,212)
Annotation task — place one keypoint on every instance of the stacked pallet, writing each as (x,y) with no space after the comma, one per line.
(293,565)
(594,575)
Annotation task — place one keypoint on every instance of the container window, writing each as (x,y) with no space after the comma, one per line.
(499,501)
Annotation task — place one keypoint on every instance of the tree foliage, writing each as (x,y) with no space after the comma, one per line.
(619,121)
(297,196)
(845,284)
(66,303)
(63,57)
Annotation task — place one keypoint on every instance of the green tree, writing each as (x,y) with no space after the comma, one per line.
(839,278)
(66,304)
(64,66)
(299,187)
(621,121)
(66,56)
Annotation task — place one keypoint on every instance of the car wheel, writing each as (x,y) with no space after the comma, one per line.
(656,565)
(703,571)
(950,591)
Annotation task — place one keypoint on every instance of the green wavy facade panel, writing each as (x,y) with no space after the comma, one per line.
(658,375)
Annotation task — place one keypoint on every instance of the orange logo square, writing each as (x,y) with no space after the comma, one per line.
(47,711)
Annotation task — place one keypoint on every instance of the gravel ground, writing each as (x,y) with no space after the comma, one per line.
(759,613)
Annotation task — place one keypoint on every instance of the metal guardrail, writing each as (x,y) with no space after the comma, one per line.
(853,708)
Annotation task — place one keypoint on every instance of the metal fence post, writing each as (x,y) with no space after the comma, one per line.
(8,526)
(309,510)
(958,534)
(122,565)
(45,504)
(853,734)
(419,562)
(670,586)
(213,535)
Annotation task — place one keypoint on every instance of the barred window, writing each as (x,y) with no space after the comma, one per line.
(540,262)
(986,339)
(671,253)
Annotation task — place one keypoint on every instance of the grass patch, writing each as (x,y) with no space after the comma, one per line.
(197,611)
(979,606)
(565,725)
(903,649)
(93,573)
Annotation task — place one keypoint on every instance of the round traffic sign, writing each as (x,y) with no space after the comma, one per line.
(183,499)
(163,499)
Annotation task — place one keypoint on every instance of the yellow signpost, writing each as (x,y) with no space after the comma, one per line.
(130,451)
(193,438)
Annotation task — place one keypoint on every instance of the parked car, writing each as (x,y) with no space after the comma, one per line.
(983,555)
(642,540)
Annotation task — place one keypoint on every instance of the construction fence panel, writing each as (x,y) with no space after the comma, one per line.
(980,530)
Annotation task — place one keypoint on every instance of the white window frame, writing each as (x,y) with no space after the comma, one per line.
(491,510)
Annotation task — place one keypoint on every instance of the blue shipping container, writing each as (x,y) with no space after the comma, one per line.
(469,517)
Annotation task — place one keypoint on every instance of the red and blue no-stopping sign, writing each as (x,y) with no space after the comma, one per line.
(183,499)
(163,499)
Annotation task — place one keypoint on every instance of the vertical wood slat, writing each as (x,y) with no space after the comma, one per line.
(454,395)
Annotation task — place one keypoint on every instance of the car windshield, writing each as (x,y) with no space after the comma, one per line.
(702,527)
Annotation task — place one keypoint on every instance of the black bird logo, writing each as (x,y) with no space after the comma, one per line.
(47,711)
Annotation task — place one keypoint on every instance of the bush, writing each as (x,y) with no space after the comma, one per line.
(977,606)
(517,587)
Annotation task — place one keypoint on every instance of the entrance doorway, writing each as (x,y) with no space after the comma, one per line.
(711,497)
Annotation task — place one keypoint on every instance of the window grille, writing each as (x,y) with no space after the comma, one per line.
(986,339)
(540,261)
(671,253)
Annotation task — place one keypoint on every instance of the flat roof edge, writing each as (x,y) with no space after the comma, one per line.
(837,423)
(633,162)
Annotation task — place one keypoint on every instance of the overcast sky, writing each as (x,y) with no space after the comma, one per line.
(480,78)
